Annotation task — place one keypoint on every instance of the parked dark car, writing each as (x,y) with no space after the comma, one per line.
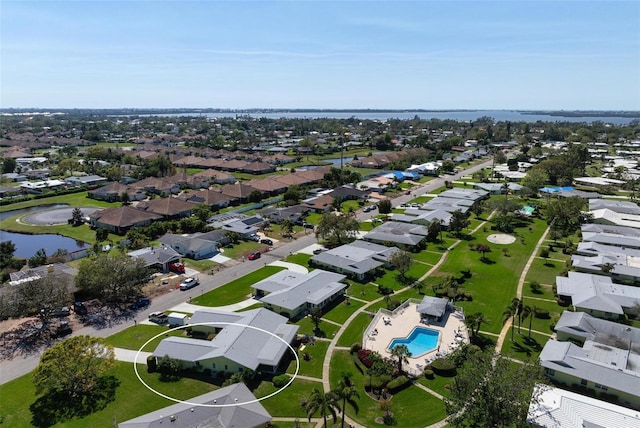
(141,302)
(308,225)
(79,308)
(266,241)
(319,250)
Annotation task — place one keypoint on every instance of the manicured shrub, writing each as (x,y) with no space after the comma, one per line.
(151,364)
(398,383)
(281,380)
(428,373)
(355,348)
(379,382)
(443,367)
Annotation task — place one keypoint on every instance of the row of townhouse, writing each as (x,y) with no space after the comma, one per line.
(595,352)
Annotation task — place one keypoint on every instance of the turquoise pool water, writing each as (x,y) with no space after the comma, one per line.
(421,340)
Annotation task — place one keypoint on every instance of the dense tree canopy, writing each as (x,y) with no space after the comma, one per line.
(337,229)
(115,279)
(73,367)
(565,214)
(492,391)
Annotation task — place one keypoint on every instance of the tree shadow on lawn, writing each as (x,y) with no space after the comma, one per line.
(56,406)
(528,346)
(487,261)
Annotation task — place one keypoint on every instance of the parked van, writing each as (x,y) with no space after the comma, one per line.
(158,317)
(177,319)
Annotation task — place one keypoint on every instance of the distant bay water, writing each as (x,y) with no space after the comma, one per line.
(459,115)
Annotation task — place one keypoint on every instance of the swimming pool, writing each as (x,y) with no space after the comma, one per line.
(420,341)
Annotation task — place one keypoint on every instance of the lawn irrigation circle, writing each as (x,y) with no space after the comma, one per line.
(501,238)
(257,400)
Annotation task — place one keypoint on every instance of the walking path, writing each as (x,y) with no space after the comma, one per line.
(523,275)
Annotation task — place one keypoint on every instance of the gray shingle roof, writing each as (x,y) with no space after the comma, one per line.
(434,306)
(396,232)
(597,292)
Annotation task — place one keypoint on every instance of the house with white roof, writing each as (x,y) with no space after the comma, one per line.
(359,260)
(467,194)
(402,235)
(239,341)
(607,363)
(559,408)
(294,294)
(598,295)
(424,217)
(620,263)
(609,217)
(614,239)
(611,229)
(624,207)
(231,406)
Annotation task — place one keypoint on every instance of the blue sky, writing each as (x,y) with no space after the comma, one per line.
(320,54)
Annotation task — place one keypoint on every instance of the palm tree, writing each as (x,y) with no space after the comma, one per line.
(326,403)
(509,313)
(287,228)
(346,392)
(518,307)
(401,352)
(480,319)
(470,322)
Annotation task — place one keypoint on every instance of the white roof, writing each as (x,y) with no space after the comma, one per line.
(557,408)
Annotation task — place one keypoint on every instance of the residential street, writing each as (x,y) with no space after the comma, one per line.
(19,366)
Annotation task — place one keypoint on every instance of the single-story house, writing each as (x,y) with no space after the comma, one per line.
(606,365)
(239,341)
(196,246)
(559,408)
(472,195)
(294,294)
(497,188)
(190,181)
(228,407)
(345,193)
(214,199)
(321,204)
(156,257)
(168,208)
(446,204)
(402,235)
(268,186)
(238,192)
(217,177)
(112,192)
(605,228)
(609,217)
(598,181)
(120,219)
(612,239)
(598,295)
(417,216)
(620,263)
(623,207)
(87,180)
(278,215)
(157,186)
(358,260)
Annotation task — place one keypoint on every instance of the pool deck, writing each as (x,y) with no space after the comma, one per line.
(452,332)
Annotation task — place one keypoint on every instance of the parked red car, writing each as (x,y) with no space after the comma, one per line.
(254,255)
(176,267)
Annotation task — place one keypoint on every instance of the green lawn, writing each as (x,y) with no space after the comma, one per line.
(132,399)
(79,199)
(545,271)
(361,291)
(79,233)
(327,329)
(523,347)
(313,367)
(135,336)
(438,384)
(431,255)
(353,333)
(546,291)
(342,310)
(493,283)
(242,249)
(200,265)
(235,291)
(299,258)
(287,402)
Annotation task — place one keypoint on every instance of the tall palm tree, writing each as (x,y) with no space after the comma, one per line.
(346,392)
(507,314)
(401,352)
(517,306)
(326,403)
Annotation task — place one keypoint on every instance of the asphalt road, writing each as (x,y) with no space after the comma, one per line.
(21,365)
